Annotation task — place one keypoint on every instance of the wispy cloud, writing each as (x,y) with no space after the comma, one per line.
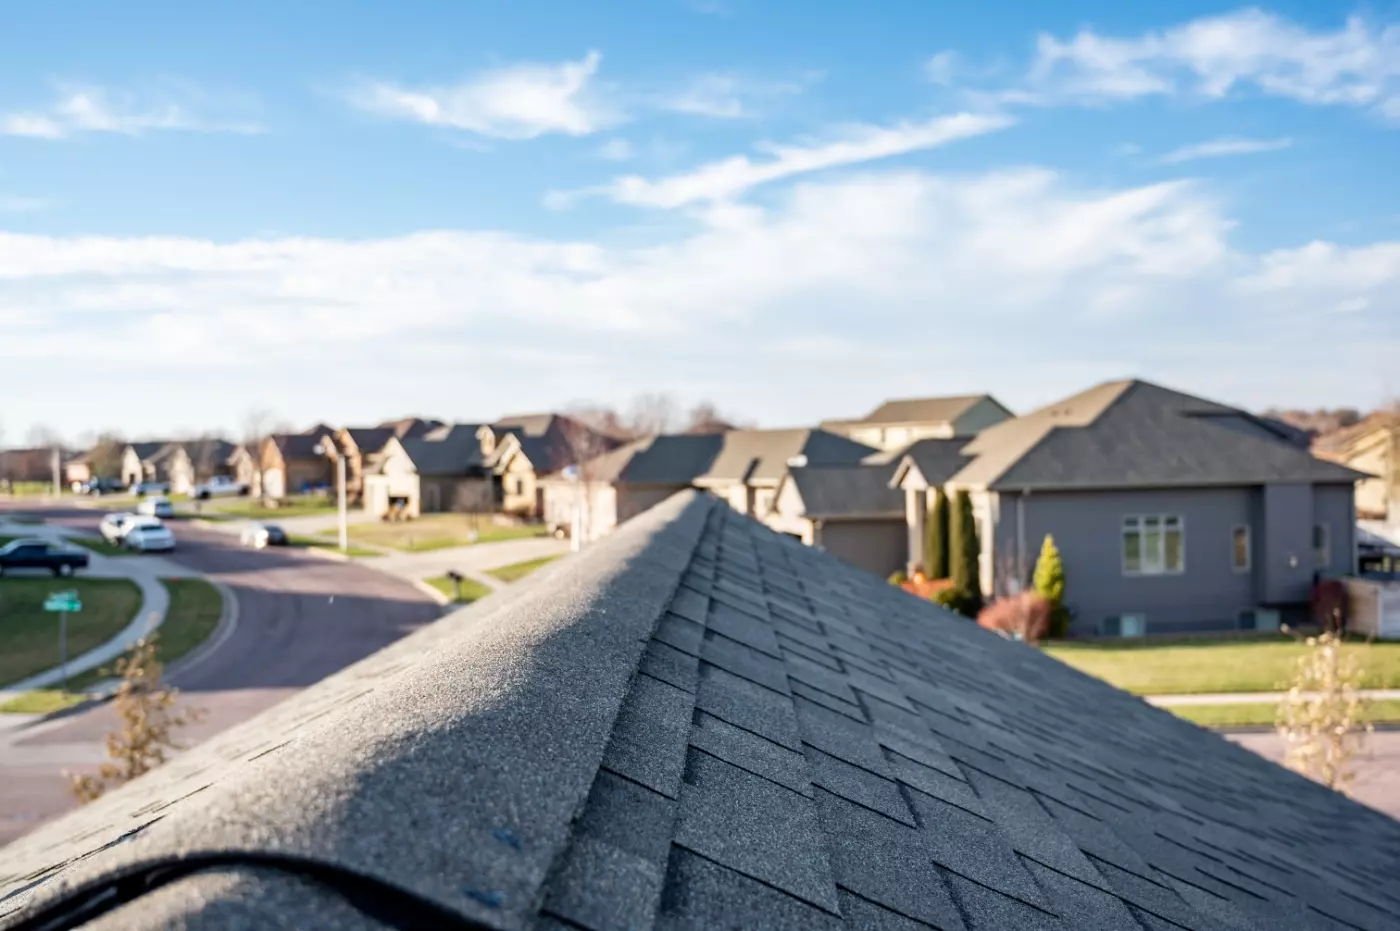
(521,101)
(730,96)
(1038,256)
(1222,147)
(730,177)
(1357,65)
(90,109)
(940,68)
(617,150)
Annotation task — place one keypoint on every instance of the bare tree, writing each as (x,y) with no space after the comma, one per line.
(1322,719)
(652,413)
(600,418)
(42,436)
(105,457)
(256,429)
(203,451)
(583,445)
(705,417)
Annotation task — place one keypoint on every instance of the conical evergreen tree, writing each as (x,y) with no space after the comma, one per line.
(964,551)
(1050,572)
(936,547)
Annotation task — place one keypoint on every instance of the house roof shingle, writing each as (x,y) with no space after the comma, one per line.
(448,450)
(699,723)
(1136,434)
(762,456)
(667,459)
(145,449)
(923,410)
(299,445)
(369,440)
(937,460)
(831,492)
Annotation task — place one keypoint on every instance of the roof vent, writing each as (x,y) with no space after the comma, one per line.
(797,462)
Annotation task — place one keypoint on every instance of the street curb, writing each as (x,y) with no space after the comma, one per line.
(323,553)
(228,623)
(440,597)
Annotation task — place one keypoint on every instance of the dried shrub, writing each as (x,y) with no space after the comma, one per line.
(1022,617)
(1321,718)
(1329,605)
(146,710)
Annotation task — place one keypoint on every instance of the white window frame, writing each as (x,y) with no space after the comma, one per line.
(1248,548)
(1322,555)
(1138,523)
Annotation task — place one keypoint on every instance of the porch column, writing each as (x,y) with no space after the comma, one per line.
(916,516)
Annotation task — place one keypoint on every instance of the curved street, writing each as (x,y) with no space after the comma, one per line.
(301,617)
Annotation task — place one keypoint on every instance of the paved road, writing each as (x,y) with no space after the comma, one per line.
(301,618)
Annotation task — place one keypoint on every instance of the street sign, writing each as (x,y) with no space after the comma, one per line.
(66,602)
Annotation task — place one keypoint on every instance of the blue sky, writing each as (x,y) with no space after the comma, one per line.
(351,211)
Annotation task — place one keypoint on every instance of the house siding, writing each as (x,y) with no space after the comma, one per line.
(1287,565)
(633,500)
(878,546)
(1334,506)
(1087,527)
(444,493)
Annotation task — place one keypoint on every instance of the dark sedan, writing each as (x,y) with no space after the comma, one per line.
(58,558)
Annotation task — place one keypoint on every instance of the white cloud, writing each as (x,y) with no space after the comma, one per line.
(13,204)
(617,150)
(1357,65)
(1224,146)
(939,68)
(733,176)
(521,101)
(729,96)
(1033,286)
(79,110)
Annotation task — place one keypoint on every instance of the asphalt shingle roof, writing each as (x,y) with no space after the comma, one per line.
(698,723)
(848,491)
(763,455)
(1137,434)
(923,410)
(371,440)
(449,450)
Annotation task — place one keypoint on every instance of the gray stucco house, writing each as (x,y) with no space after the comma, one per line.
(1171,512)
(850,511)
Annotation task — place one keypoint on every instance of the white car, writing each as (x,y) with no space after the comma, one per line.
(158,506)
(149,535)
(114,526)
(220,486)
(261,536)
(141,489)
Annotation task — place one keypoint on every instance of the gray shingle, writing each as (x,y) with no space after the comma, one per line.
(680,633)
(884,861)
(649,740)
(987,909)
(858,785)
(755,827)
(749,751)
(702,896)
(663,661)
(744,704)
(745,662)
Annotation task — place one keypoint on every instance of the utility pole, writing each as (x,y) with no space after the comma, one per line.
(57,478)
(340,483)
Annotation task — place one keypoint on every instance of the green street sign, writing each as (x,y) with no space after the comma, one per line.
(63,601)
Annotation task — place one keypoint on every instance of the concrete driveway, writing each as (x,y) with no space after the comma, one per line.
(471,561)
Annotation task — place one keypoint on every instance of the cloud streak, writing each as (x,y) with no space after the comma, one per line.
(521,101)
(731,177)
(1223,147)
(89,109)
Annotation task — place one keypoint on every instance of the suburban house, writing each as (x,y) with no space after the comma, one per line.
(751,463)
(895,424)
(27,465)
(140,462)
(364,446)
(610,489)
(701,724)
(848,510)
(441,470)
(522,447)
(243,468)
(1371,446)
(293,463)
(1170,512)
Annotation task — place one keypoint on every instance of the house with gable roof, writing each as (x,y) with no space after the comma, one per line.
(1171,512)
(895,424)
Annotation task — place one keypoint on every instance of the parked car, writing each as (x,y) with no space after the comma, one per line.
(149,535)
(113,527)
(156,506)
(220,486)
(99,486)
(259,536)
(29,553)
(141,489)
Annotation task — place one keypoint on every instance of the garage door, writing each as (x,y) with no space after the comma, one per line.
(274,484)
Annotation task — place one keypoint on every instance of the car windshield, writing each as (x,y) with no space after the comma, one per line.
(17,544)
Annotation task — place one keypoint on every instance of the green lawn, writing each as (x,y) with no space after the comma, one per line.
(439,531)
(254,508)
(519,570)
(28,489)
(471,589)
(29,634)
(1255,714)
(1178,667)
(99,546)
(322,543)
(5,539)
(195,609)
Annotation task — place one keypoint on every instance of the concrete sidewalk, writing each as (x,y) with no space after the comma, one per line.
(471,561)
(145,571)
(1249,698)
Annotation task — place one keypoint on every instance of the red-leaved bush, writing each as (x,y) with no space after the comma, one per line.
(1025,616)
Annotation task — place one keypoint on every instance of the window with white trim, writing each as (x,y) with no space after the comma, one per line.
(1240,555)
(1322,546)
(1154,544)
